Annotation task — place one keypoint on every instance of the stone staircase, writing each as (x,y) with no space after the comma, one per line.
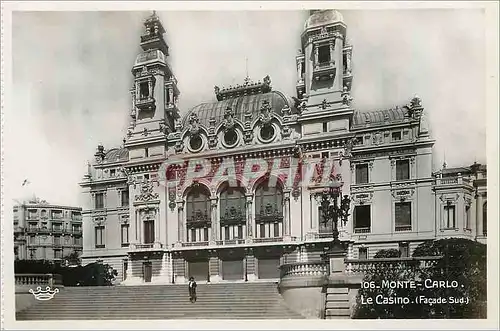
(215,301)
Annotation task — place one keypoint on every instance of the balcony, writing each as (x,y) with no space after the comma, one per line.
(195,244)
(57,230)
(198,220)
(145,103)
(402,263)
(362,230)
(268,240)
(230,242)
(150,247)
(402,228)
(303,269)
(324,71)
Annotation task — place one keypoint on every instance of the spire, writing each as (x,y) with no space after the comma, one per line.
(444,161)
(152,37)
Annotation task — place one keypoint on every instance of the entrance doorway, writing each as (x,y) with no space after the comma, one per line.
(125,267)
(233,270)
(147,271)
(198,269)
(268,268)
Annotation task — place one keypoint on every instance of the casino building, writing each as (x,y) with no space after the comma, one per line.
(149,217)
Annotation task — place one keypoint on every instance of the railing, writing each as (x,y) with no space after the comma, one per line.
(268,240)
(38,279)
(301,269)
(362,230)
(449,180)
(230,242)
(195,243)
(149,246)
(382,265)
(403,228)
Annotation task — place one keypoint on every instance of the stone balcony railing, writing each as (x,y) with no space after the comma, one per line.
(303,269)
(38,279)
(353,266)
(145,247)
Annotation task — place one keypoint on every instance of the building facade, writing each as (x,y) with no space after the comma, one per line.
(44,231)
(231,189)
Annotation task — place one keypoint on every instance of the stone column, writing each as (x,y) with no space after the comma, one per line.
(348,64)
(170,96)
(332,47)
(157,225)
(249,216)
(214,219)
(299,70)
(180,221)
(479,215)
(150,86)
(286,214)
(316,56)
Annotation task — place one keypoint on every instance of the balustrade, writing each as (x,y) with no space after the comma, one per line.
(374,266)
(38,279)
(301,269)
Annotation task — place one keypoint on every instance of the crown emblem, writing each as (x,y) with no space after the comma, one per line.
(44,295)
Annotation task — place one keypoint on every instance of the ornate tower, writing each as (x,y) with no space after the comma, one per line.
(154,94)
(324,61)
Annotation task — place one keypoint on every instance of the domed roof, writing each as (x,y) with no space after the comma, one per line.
(323,17)
(116,155)
(241,105)
(379,117)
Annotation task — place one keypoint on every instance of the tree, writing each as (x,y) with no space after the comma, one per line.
(72,258)
(460,267)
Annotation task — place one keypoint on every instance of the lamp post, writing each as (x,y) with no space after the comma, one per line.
(334,208)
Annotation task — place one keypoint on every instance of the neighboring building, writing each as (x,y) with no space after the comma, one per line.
(44,231)
(215,231)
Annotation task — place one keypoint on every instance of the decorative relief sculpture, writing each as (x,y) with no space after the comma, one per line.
(403,194)
(194,127)
(265,113)
(147,193)
(228,122)
(179,146)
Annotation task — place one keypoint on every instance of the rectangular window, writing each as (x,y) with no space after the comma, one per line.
(262,229)
(361,173)
(404,249)
(276,230)
(363,253)
(403,216)
(57,240)
(362,219)
(144,90)
(324,54)
(125,198)
(325,127)
(149,232)
(449,216)
(402,169)
(57,254)
(240,232)
(226,233)
(32,240)
(325,155)
(467,217)
(77,241)
(99,237)
(205,234)
(99,200)
(125,228)
(76,229)
(396,136)
(193,235)
(112,173)
(146,152)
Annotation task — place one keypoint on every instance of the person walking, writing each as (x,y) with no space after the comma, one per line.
(192,289)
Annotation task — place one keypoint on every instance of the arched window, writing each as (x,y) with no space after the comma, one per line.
(233,213)
(485,219)
(269,210)
(198,220)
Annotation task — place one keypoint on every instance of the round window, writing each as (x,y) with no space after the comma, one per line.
(230,137)
(267,132)
(195,142)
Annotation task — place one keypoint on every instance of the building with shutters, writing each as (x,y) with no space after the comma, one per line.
(230,189)
(44,231)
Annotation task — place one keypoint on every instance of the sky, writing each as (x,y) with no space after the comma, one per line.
(72,75)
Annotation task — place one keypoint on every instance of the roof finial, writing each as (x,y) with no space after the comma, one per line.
(247,78)
(444,161)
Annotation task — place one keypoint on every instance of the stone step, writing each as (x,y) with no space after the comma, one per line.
(337,304)
(338,312)
(337,290)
